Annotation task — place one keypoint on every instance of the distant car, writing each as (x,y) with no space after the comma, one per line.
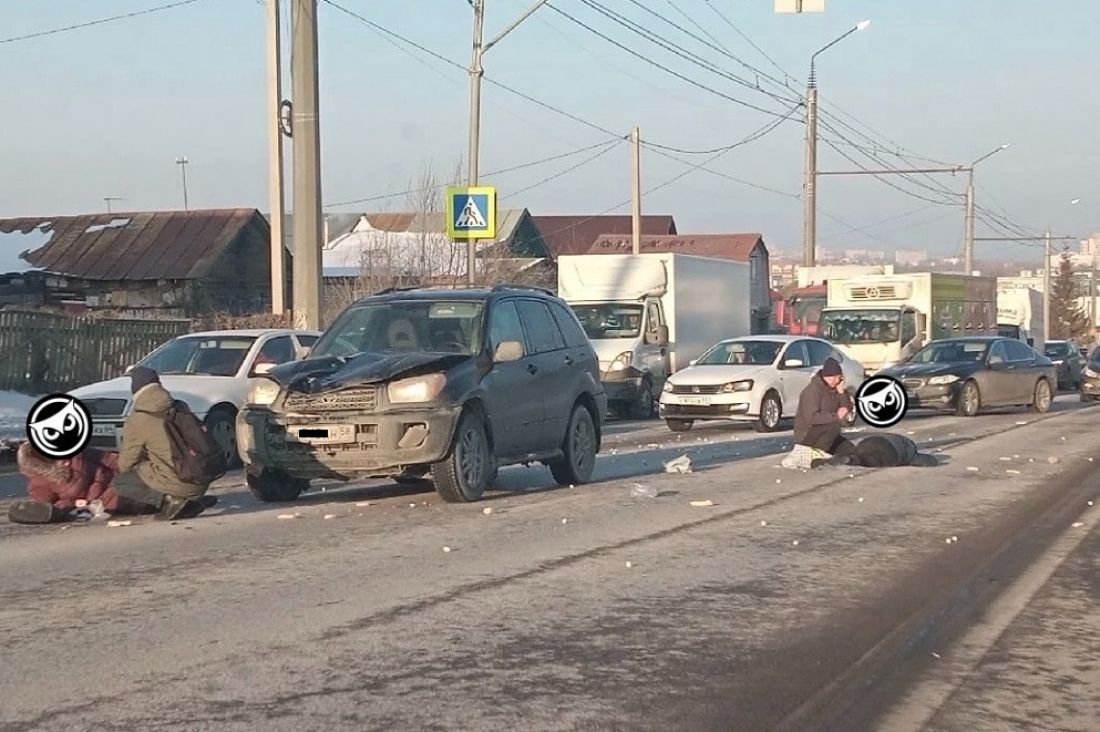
(754,379)
(1090,378)
(1067,356)
(968,374)
(210,372)
(431,382)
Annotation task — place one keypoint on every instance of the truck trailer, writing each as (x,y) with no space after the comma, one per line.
(1020,314)
(882,320)
(650,315)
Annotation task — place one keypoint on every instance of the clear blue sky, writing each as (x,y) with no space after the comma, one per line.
(104,111)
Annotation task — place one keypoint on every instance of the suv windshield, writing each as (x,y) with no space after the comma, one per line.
(409,326)
(951,352)
(1056,350)
(860,326)
(759,353)
(220,356)
(601,322)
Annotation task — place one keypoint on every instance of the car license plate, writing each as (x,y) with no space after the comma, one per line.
(697,400)
(323,434)
(103,430)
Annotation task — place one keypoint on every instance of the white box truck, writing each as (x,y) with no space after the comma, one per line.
(650,315)
(1020,314)
(882,320)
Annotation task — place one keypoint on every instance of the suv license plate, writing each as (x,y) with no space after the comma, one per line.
(696,400)
(323,434)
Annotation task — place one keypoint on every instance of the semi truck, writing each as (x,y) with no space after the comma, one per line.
(650,315)
(882,320)
(799,309)
(1020,314)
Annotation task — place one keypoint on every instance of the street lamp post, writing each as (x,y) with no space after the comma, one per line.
(968,256)
(182,161)
(809,229)
(477,71)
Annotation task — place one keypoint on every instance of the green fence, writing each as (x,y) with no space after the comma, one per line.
(44,352)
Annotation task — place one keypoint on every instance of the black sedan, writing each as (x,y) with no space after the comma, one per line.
(1090,378)
(967,374)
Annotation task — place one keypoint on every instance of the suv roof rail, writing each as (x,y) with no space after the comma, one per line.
(536,288)
(388,290)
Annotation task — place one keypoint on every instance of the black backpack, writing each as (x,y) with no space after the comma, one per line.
(197,458)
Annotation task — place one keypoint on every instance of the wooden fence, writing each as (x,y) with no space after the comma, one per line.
(44,352)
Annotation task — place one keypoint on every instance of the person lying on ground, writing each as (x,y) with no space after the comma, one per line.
(884,450)
(55,488)
(147,469)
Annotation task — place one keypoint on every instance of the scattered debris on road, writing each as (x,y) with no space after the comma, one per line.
(973,469)
(487,510)
(329,516)
(794,543)
(288,516)
(861,499)
(680,465)
(639,490)
(565,520)
(936,655)
(446,550)
(1052,460)
(1006,459)
(702,504)
(1013,472)
(629,565)
(763,523)
(1078,524)
(362,504)
(115,524)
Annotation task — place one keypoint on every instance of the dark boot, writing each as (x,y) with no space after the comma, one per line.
(174,508)
(35,512)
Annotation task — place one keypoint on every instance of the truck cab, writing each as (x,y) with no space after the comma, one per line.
(877,337)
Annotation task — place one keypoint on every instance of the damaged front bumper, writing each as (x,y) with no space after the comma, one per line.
(346,445)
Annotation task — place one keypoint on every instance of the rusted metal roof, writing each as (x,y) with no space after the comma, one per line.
(577,234)
(144,245)
(738,247)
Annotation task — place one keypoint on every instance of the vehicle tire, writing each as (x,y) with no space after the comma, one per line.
(578,450)
(642,406)
(272,486)
(970,400)
(771,412)
(221,425)
(1043,396)
(679,425)
(465,473)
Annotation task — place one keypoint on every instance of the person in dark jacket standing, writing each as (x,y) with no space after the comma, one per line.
(823,408)
(147,473)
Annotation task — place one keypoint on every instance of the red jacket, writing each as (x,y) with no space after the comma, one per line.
(87,476)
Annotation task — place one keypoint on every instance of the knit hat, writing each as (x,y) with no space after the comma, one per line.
(142,376)
(831,368)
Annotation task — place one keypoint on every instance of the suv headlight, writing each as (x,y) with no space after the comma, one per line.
(263,392)
(941,380)
(744,385)
(622,361)
(417,389)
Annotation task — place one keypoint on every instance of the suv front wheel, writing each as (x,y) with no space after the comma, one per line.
(464,475)
(578,460)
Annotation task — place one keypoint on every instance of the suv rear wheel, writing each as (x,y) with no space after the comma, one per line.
(578,448)
(465,474)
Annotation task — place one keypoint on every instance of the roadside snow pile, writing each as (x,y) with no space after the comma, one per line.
(13,414)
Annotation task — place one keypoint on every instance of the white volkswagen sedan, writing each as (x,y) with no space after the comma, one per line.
(210,372)
(754,378)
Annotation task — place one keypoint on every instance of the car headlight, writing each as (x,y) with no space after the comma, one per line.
(667,388)
(622,361)
(1092,374)
(263,392)
(416,389)
(941,380)
(745,385)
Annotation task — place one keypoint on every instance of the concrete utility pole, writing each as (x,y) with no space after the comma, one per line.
(276,199)
(182,161)
(968,254)
(476,74)
(809,227)
(636,190)
(307,167)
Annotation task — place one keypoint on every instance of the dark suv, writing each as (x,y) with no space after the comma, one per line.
(1067,356)
(443,383)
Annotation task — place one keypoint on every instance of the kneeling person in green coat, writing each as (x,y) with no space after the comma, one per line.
(147,473)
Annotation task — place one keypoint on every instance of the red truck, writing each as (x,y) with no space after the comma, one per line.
(798,307)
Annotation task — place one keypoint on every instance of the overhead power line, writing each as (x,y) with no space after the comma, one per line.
(607,147)
(101,21)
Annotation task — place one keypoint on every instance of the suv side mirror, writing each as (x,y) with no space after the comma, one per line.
(508,351)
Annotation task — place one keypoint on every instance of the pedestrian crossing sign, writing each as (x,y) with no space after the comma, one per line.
(472,212)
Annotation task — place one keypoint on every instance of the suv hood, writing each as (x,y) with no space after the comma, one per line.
(331,373)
